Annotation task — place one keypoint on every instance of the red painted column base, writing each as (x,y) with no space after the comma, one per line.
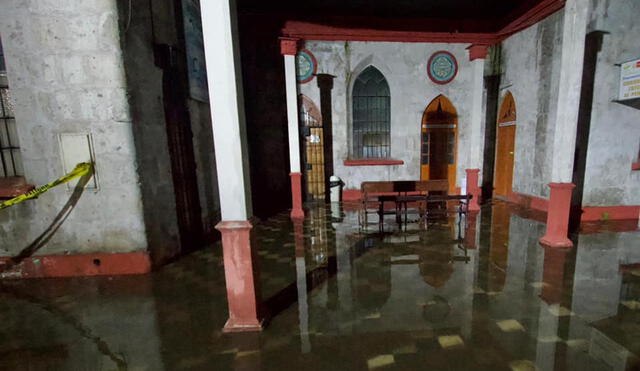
(473,189)
(558,216)
(296,196)
(240,271)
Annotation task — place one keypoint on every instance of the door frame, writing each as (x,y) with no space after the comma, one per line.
(440,114)
(506,118)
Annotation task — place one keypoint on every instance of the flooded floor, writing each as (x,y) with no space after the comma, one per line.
(485,296)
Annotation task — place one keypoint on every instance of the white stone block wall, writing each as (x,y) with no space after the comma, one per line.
(404,65)
(66,76)
(614,138)
(530,66)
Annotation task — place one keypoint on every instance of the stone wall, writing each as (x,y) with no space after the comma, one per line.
(66,75)
(145,85)
(404,65)
(614,138)
(530,71)
(90,68)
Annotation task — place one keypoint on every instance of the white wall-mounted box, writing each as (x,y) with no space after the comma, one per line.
(74,149)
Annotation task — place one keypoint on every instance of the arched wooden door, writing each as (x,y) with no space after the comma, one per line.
(506,138)
(311,119)
(439,141)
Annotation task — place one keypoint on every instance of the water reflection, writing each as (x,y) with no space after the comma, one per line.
(482,296)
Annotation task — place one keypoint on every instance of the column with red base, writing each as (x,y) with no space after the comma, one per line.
(576,18)
(558,215)
(473,189)
(240,274)
(227,113)
(289,49)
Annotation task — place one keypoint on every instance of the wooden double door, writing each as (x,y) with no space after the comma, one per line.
(439,136)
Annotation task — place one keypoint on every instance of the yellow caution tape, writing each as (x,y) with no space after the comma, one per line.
(80,170)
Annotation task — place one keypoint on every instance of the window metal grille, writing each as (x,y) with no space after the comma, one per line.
(425,148)
(10,161)
(371,115)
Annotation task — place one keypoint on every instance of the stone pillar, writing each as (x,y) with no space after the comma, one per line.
(576,14)
(473,189)
(325,85)
(477,54)
(229,134)
(289,49)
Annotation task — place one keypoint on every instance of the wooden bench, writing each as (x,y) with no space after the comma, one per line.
(400,193)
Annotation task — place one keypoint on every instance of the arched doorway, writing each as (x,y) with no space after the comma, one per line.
(439,141)
(311,120)
(506,140)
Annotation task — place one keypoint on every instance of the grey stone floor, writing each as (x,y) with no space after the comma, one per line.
(441,298)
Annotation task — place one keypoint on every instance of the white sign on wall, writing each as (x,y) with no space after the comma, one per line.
(630,80)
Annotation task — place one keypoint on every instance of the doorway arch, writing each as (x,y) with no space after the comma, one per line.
(439,138)
(506,140)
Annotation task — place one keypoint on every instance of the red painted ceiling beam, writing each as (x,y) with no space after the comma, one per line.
(418,30)
(313,31)
(531,17)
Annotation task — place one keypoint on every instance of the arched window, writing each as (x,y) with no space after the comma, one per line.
(371,115)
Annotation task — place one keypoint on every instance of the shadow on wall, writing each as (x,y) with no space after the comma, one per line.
(265,107)
(593,45)
(57,222)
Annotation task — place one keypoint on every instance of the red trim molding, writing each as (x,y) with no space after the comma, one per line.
(528,201)
(373,162)
(530,17)
(589,213)
(316,31)
(13,187)
(76,265)
(289,45)
(478,51)
(597,213)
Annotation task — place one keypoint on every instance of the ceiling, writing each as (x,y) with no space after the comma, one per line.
(467,16)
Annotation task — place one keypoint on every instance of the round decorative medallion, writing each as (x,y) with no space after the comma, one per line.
(442,67)
(306,66)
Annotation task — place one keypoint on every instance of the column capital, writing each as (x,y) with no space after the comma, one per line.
(288,45)
(477,51)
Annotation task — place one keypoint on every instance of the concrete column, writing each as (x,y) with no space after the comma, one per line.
(576,14)
(229,134)
(477,54)
(289,49)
